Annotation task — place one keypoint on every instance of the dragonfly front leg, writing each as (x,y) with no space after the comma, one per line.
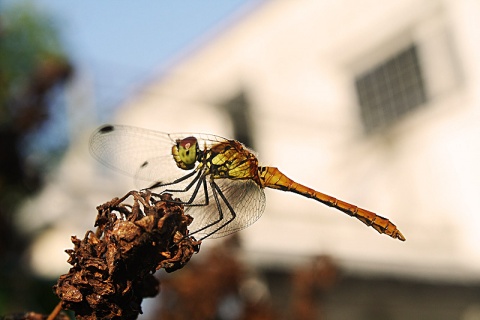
(185,177)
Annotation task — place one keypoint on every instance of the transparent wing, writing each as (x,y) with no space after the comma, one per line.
(245,197)
(147,156)
(143,154)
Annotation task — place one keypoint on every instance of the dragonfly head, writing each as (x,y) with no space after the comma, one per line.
(185,153)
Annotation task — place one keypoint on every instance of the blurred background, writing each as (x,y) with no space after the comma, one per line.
(374,102)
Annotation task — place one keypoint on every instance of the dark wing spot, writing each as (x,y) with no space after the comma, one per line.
(106,128)
(144,164)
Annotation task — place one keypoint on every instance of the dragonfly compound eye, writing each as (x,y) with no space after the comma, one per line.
(187,152)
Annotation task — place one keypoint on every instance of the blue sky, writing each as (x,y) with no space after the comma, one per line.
(120,45)
(124,43)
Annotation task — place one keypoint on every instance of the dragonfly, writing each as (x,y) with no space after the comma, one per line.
(218,180)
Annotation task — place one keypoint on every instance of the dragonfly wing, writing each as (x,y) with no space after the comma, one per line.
(245,197)
(143,154)
(140,153)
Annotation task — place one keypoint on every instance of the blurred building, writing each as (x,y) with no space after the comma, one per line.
(376,103)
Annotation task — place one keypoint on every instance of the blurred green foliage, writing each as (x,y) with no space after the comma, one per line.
(32,65)
(27,39)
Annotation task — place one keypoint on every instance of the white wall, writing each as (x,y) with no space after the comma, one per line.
(296,60)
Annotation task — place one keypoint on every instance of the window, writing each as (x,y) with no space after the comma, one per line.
(390,90)
(238,109)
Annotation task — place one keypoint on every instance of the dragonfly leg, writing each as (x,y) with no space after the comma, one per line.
(194,195)
(216,191)
(197,181)
(185,177)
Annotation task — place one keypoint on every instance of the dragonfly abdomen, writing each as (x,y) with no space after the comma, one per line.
(271,177)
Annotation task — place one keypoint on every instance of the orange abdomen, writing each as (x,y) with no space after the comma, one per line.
(271,177)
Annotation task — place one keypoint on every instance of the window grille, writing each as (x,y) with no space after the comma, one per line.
(390,90)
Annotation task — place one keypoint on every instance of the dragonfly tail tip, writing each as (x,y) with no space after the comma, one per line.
(400,236)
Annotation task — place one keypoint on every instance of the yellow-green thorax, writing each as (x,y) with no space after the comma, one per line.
(232,160)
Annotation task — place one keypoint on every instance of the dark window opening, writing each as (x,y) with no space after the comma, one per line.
(238,109)
(390,90)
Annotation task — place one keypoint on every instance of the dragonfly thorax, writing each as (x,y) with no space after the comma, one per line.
(185,152)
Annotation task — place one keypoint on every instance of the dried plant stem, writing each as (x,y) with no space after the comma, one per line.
(55,311)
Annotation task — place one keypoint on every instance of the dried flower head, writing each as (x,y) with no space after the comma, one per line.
(112,269)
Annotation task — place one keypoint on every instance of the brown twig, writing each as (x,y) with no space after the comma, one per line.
(55,312)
